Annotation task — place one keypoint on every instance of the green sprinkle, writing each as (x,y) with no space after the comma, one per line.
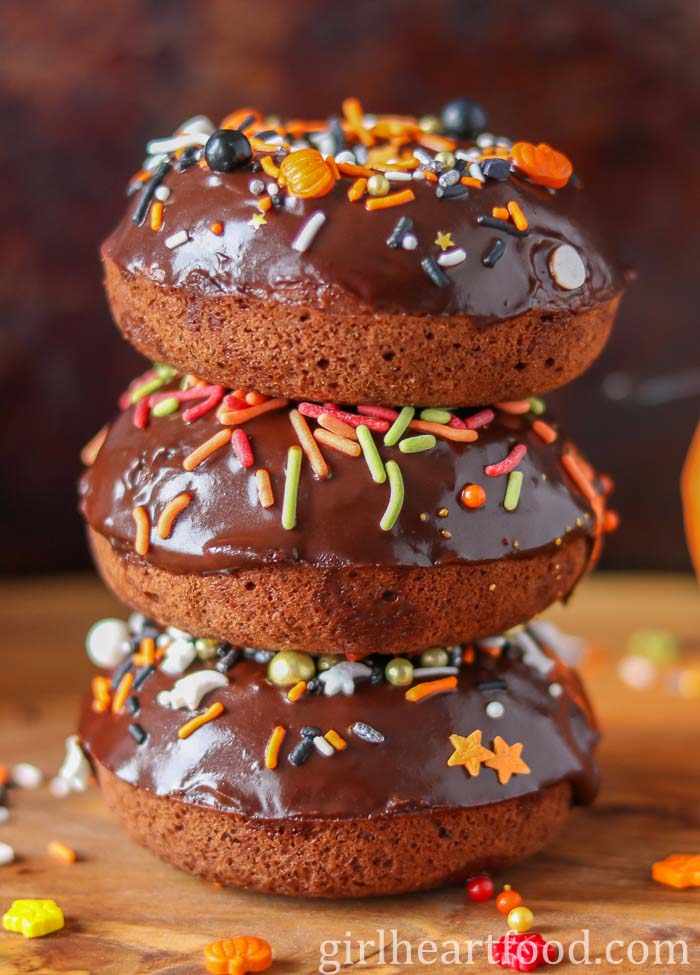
(537,406)
(396,496)
(166,373)
(414,445)
(515,483)
(145,389)
(399,426)
(291,488)
(433,415)
(166,407)
(369,449)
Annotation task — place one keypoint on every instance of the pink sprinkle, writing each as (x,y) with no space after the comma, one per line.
(141,411)
(479,419)
(509,463)
(380,412)
(457,423)
(194,412)
(313,410)
(241,447)
(331,406)
(125,398)
(233,403)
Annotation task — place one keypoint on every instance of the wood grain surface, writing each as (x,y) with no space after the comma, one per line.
(127,913)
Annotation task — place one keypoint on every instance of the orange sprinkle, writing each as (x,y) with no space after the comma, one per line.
(253,398)
(264,204)
(573,469)
(519,218)
(88,455)
(273,746)
(500,213)
(185,730)
(334,739)
(352,169)
(332,165)
(429,687)
(240,393)
(445,431)
(260,146)
(490,650)
(429,176)
(147,650)
(544,431)
(263,483)
(269,166)
(335,425)
(470,181)
(60,851)
(233,418)
(101,696)
(336,442)
(217,228)
(143,528)
(468,655)
(4,775)
(170,512)
(438,143)
(515,407)
(122,692)
(308,444)
(611,521)
(294,693)
(357,190)
(390,200)
(205,450)
(352,110)
(156,215)
(234,119)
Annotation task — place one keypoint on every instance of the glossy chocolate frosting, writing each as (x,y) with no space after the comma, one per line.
(221,765)
(225,527)
(349,265)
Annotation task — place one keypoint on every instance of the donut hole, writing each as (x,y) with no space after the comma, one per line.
(388,356)
(389,596)
(322,363)
(249,586)
(549,362)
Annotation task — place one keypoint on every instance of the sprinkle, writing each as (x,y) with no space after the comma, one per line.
(451,192)
(444,240)
(170,513)
(213,396)
(508,464)
(309,444)
(403,227)
(305,237)
(143,528)
(141,412)
(177,239)
(494,254)
(185,730)
(567,267)
(323,746)
(516,407)
(313,410)
(61,851)
(396,496)
(165,407)
(517,215)
(272,749)
(156,215)
(263,483)
(159,174)
(399,427)
(122,692)
(500,213)
(101,695)
(229,659)
(334,425)
(357,190)
(291,488)
(536,405)
(24,775)
(91,450)
(217,228)
(300,753)
(336,442)
(230,418)
(512,496)
(367,733)
(480,419)
(257,220)
(205,450)
(503,225)
(431,268)
(410,242)
(390,200)
(119,673)
(371,454)
(143,676)
(7,854)
(334,739)
(445,431)
(435,672)
(415,445)
(433,415)
(427,689)
(381,412)
(494,709)
(137,733)
(575,472)
(544,431)
(452,258)
(242,448)
(297,691)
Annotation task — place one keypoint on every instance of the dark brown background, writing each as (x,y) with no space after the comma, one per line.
(84,85)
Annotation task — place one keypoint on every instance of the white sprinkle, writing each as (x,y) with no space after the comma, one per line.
(533,655)
(450,258)
(7,854)
(189,691)
(485,140)
(340,679)
(555,689)
(492,641)
(323,746)
(504,142)
(409,242)
(569,648)
(176,239)
(567,267)
(107,642)
(172,143)
(177,658)
(637,672)
(58,787)
(256,186)
(74,774)
(346,157)
(26,776)
(176,634)
(198,123)
(398,176)
(4,814)
(272,189)
(436,671)
(136,622)
(475,172)
(418,174)
(494,709)
(305,237)
(162,193)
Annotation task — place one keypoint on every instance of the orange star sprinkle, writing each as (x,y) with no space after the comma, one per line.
(678,870)
(506,760)
(469,752)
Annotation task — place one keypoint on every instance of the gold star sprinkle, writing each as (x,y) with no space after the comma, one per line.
(444,241)
(506,760)
(469,752)
(257,220)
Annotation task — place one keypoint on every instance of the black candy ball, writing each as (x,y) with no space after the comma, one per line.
(463,118)
(226,150)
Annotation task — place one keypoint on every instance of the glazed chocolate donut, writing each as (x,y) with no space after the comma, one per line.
(471,272)
(460,539)
(350,786)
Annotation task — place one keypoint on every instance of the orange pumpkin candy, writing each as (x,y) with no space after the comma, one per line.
(690,494)
(306,174)
(236,956)
(542,164)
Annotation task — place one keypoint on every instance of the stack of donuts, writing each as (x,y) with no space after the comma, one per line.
(336,502)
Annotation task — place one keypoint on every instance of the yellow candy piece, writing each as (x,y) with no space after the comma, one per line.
(33,918)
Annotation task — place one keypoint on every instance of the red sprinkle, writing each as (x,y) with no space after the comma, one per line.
(380,412)
(479,419)
(125,398)
(312,410)
(241,446)
(141,412)
(524,952)
(233,403)
(213,400)
(457,423)
(508,463)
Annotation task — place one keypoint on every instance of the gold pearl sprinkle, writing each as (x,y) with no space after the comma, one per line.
(557,541)
(492,587)
(423,516)
(579,523)
(443,512)
(445,533)
(516,543)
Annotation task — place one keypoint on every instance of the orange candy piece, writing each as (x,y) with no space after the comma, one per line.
(473,496)
(690,495)
(542,164)
(236,956)
(507,900)
(679,870)
(306,174)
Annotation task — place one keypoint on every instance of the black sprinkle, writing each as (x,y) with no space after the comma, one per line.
(314,686)
(432,269)
(255,166)
(456,657)
(149,189)
(133,703)
(246,122)
(310,731)
(377,675)
(119,673)
(494,254)
(137,733)
(230,658)
(367,733)
(190,156)
(497,684)
(142,677)
(460,165)
(404,226)
(3,795)
(301,752)
(496,168)
(223,648)
(503,225)
(335,130)
(450,192)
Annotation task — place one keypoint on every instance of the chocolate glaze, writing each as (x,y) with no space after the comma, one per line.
(349,261)
(225,527)
(221,765)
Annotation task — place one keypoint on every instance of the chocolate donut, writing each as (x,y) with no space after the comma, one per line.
(484,279)
(353,787)
(341,579)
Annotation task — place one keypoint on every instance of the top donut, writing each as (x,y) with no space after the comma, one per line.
(370,258)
